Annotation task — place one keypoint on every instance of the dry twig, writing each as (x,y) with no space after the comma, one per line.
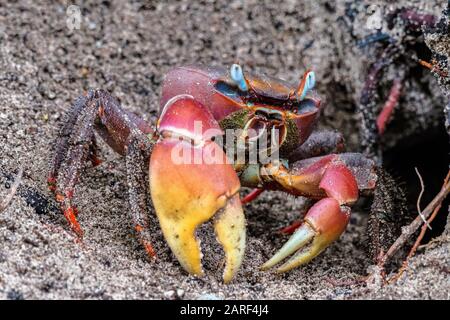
(409,230)
(422,190)
(420,237)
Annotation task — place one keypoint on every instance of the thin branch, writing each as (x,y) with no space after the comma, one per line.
(420,237)
(414,226)
(433,68)
(422,186)
(5,203)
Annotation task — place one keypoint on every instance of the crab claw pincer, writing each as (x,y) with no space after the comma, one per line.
(323,224)
(325,221)
(191,181)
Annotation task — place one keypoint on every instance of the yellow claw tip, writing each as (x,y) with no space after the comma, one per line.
(266,266)
(230,231)
(206,190)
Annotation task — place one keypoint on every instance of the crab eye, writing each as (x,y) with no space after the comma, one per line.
(310,81)
(237,75)
(307,84)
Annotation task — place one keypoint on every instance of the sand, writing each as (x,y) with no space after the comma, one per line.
(127,49)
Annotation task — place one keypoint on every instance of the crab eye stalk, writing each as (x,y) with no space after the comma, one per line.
(307,84)
(237,75)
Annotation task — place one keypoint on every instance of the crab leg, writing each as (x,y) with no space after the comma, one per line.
(252,196)
(367,101)
(76,144)
(93,153)
(414,20)
(388,108)
(331,181)
(138,155)
(319,143)
(77,154)
(290,229)
(62,145)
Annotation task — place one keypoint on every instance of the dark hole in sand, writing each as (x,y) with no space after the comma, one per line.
(429,152)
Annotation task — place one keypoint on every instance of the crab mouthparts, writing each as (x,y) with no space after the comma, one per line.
(265,131)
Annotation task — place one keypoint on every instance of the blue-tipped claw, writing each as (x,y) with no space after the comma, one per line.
(238,77)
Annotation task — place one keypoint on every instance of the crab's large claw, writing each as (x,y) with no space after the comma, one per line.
(324,222)
(190,182)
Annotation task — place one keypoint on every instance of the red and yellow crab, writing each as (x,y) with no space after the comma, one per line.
(186,194)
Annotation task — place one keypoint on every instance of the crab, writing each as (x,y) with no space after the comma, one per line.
(393,51)
(186,193)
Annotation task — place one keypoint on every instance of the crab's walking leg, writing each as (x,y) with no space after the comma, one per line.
(388,214)
(137,158)
(290,229)
(388,108)
(76,144)
(319,143)
(367,103)
(93,152)
(78,150)
(413,19)
(252,196)
(330,180)
(62,144)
